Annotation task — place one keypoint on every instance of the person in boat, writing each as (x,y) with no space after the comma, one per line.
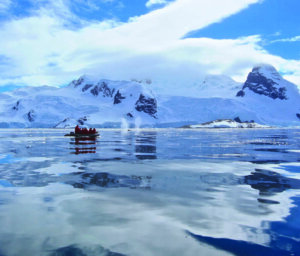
(85,131)
(92,131)
(77,129)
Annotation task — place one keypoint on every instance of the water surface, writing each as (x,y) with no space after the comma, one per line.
(150,192)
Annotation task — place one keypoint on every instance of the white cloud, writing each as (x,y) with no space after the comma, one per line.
(291,39)
(42,50)
(180,17)
(150,3)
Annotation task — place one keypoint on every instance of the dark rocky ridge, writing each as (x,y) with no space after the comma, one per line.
(82,120)
(61,123)
(103,88)
(16,106)
(260,84)
(95,89)
(77,82)
(118,98)
(86,87)
(147,105)
(31,116)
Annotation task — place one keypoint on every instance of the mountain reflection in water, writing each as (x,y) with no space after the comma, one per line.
(145,146)
(74,250)
(269,182)
(150,192)
(107,180)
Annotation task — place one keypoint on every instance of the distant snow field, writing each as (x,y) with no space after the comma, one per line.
(228,123)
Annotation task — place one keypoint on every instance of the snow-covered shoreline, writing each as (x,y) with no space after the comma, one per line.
(227,123)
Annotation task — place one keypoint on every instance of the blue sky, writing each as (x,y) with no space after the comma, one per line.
(87,10)
(274,20)
(54,41)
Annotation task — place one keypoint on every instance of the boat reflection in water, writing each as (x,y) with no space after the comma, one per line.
(83,145)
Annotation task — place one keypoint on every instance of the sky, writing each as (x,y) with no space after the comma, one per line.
(52,42)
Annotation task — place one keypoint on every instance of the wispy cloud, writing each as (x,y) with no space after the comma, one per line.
(150,3)
(90,4)
(5,5)
(291,39)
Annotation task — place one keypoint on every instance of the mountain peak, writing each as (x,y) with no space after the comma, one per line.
(84,79)
(130,94)
(267,71)
(265,80)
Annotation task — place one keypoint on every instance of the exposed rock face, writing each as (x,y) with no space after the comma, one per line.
(82,120)
(31,116)
(129,115)
(240,93)
(118,98)
(147,105)
(237,119)
(265,81)
(132,95)
(101,88)
(77,82)
(16,107)
(62,123)
(86,87)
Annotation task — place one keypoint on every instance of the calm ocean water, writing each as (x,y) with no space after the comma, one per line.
(150,192)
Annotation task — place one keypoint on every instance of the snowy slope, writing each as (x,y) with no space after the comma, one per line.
(218,86)
(205,87)
(265,98)
(185,110)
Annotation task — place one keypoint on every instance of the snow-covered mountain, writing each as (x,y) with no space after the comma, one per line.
(83,101)
(276,100)
(265,98)
(265,80)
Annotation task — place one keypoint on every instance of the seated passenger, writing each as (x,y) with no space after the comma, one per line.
(77,129)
